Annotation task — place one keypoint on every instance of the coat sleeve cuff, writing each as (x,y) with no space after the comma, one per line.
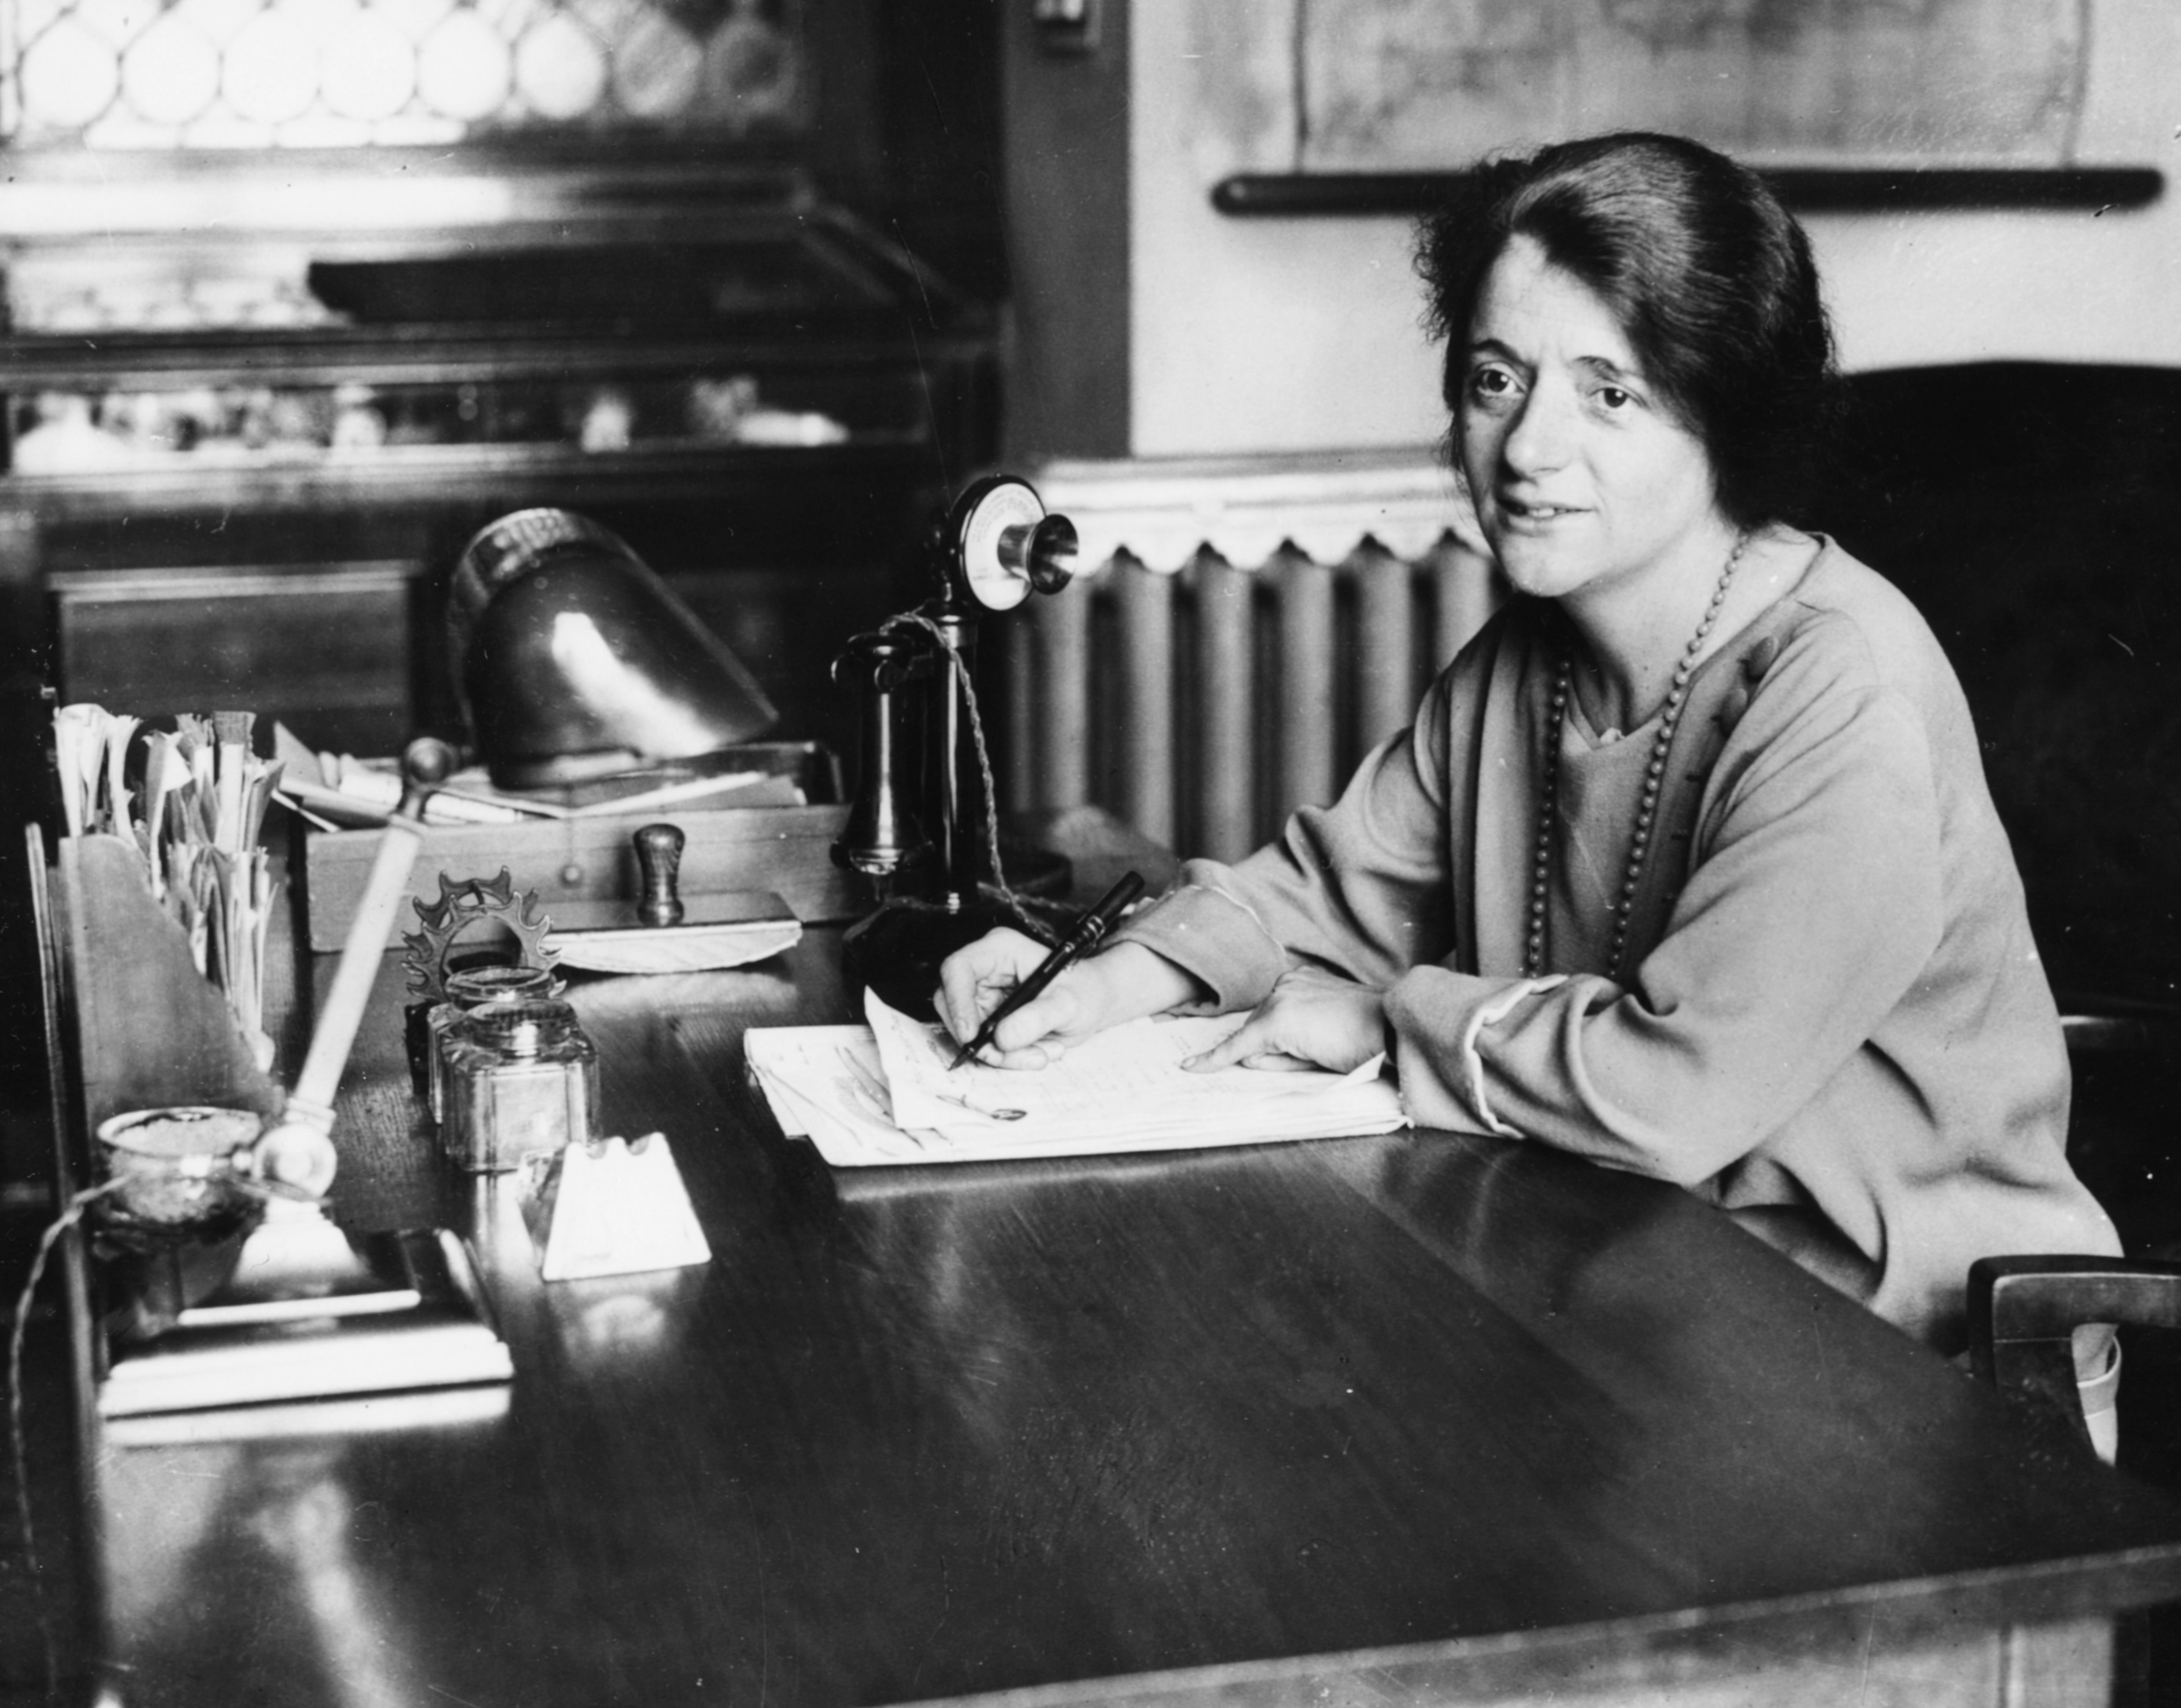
(1217,938)
(1439,1019)
(1491,1013)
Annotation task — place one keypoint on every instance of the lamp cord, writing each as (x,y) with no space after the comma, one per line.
(17,1438)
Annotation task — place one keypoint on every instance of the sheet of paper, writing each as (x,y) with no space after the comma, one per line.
(1123,1089)
(1127,1093)
(1131,1073)
(818,1080)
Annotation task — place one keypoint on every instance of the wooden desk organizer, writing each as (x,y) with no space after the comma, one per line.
(151,1029)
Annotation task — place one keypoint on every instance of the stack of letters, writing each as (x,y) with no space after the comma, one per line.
(885,1093)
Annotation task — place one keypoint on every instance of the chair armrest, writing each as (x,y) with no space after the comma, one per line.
(2024,1311)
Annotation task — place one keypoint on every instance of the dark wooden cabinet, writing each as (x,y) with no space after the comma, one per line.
(778,457)
(326,646)
(265,519)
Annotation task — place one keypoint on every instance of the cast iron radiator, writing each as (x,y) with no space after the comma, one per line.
(1238,635)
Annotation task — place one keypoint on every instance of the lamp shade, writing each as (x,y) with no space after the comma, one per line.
(575,661)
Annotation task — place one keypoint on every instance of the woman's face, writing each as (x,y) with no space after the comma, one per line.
(1583,479)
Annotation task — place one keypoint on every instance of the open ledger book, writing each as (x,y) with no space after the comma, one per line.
(883,1095)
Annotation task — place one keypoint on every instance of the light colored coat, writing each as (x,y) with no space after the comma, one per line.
(1834,1004)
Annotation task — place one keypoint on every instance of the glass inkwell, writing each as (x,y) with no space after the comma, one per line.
(522,1082)
(179,1198)
(468,990)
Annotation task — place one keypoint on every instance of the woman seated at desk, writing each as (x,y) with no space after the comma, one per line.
(1687,864)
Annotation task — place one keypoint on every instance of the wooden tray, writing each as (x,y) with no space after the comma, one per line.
(786,850)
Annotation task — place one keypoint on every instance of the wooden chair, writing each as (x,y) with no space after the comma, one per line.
(2024,1311)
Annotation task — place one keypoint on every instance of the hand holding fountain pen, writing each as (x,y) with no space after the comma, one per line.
(1083,936)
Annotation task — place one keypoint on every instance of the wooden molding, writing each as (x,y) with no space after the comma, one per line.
(1163,511)
(1807,188)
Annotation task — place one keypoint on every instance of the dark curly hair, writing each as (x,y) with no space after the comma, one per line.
(1708,277)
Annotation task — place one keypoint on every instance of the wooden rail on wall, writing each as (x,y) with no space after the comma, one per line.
(1244,632)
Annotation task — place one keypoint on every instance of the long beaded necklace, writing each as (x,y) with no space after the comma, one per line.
(1624,906)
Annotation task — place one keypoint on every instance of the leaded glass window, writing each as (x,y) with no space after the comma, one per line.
(328,74)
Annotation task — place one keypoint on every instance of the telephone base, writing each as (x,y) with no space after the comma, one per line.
(896,950)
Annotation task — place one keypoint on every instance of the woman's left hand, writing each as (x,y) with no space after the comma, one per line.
(1311,1019)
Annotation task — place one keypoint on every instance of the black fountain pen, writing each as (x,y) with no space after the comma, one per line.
(1083,936)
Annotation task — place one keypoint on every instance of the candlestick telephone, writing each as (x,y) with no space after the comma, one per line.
(920,825)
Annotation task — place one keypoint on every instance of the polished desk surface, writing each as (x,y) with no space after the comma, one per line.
(1414,1414)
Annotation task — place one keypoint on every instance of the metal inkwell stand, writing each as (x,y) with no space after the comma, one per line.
(921,826)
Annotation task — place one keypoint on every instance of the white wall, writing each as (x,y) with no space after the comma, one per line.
(2072,285)
(1295,334)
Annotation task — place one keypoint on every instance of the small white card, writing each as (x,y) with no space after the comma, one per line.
(619,1208)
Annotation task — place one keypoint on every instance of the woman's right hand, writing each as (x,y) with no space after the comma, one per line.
(1123,983)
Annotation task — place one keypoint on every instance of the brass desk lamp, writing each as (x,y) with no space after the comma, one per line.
(575,661)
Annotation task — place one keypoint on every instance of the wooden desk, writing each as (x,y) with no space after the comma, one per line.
(1408,1419)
